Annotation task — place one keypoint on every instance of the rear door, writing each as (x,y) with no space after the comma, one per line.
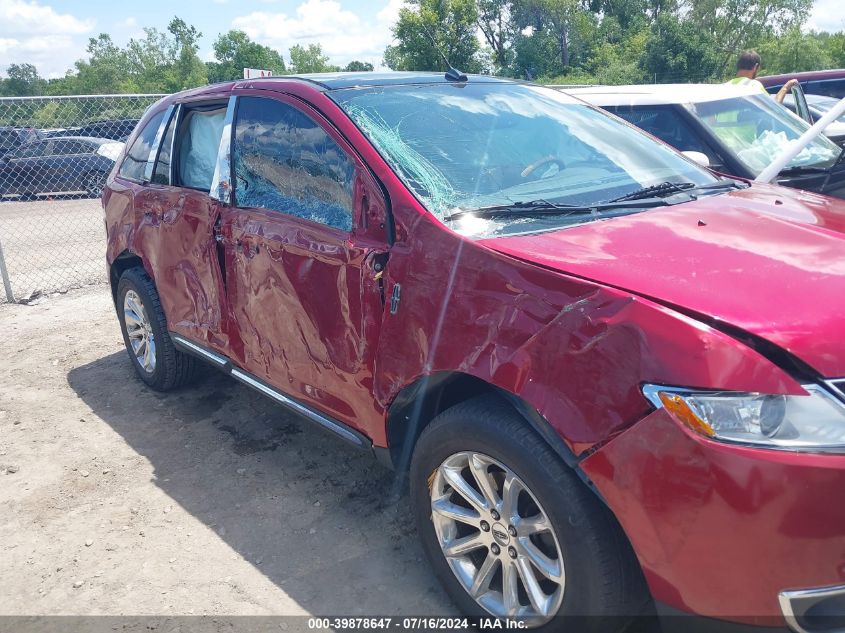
(69,160)
(175,219)
(305,242)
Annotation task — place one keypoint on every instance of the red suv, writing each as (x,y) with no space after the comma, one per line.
(611,375)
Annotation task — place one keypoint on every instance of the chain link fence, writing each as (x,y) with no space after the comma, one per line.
(55,154)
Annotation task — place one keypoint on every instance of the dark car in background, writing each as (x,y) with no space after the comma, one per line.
(830,83)
(116,130)
(12,137)
(58,165)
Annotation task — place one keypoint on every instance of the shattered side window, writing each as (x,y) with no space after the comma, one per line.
(286,162)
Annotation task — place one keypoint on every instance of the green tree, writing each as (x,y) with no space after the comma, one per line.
(234,51)
(104,72)
(148,60)
(679,51)
(495,23)
(428,30)
(356,67)
(794,51)
(22,81)
(309,60)
(733,25)
(187,71)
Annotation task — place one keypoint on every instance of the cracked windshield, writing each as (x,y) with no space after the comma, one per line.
(469,147)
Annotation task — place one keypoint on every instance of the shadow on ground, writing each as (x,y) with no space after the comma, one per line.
(312,514)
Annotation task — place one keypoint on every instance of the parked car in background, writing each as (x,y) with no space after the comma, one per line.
(819,105)
(830,83)
(610,374)
(733,129)
(118,130)
(12,137)
(58,165)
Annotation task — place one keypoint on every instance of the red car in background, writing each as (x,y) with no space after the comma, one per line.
(612,376)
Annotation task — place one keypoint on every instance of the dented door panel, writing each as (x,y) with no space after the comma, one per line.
(306,303)
(175,229)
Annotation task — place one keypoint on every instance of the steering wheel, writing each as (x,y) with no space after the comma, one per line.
(543,161)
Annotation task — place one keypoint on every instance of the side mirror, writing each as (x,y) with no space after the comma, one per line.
(697,157)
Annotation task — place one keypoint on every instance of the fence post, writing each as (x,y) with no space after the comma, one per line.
(4,273)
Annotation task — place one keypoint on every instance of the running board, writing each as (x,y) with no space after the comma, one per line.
(221,362)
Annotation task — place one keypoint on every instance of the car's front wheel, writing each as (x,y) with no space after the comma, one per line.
(144,326)
(512,531)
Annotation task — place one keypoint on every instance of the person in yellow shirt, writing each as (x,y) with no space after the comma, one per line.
(747,67)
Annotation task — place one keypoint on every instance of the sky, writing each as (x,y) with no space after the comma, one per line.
(52,34)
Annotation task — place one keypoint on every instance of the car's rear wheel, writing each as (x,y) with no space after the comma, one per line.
(94,182)
(144,326)
(512,531)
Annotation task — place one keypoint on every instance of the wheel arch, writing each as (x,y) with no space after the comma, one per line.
(419,402)
(123,262)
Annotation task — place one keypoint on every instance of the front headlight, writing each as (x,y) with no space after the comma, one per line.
(815,422)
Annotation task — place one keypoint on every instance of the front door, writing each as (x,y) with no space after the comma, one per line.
(305,244)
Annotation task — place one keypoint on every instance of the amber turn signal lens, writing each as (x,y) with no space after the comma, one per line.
(678,407)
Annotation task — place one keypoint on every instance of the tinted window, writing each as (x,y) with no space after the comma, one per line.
(139,153)
(30,150)
(667,125)
(161,175)
(829,87)
(9,139)
(64,148)
(284,161)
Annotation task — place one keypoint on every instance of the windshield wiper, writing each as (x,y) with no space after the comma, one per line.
(664,188)
(537,208)
(803,169)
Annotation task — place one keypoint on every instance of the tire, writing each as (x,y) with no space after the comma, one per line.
(94,182)
(160,365)
(601,576)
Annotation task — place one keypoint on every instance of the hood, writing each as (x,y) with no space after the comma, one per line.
(766,259)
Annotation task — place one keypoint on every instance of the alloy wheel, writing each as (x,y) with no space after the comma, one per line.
(140,331)
(497,539)
(94,184)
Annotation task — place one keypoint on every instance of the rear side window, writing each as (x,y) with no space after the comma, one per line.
(284,161)
(9,139)
(65,148)
(828,87)
(139,153)
(31,150)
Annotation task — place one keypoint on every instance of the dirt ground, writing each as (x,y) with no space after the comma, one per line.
(115,499)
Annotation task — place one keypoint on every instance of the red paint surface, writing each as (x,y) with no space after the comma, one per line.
(720,529)
(775,270)
(572,322)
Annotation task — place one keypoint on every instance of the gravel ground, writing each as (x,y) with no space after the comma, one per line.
(211,500)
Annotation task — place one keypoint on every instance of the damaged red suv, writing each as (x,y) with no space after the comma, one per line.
(612,377)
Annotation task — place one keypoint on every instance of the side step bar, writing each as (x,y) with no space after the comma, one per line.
(224,364)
